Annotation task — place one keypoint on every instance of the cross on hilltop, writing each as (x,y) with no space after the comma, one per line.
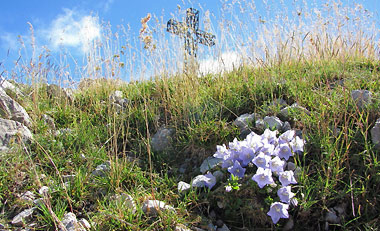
(190,31)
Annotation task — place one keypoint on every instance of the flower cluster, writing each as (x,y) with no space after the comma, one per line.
(269,154)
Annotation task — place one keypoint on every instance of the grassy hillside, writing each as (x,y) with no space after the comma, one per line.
(339,166)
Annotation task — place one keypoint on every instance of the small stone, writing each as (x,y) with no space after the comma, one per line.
(211,227)
(286,126)
(289,225)
(151,207)
(28,197)
(49,121)
(209,164)
(291,166)
(85,224)
(219,223)
(102,169)
(218,175)
(82,156)
(71,223)
(39,202)
(23,217)
(375,134)
(285,112)
(224,228)
(180,227)
(362,98)
(44,190)
(125,200)
(273,122)
(244,121)
(162,140)
(221,204)
(341,209)
(183,186)
(331,217)
(260,125)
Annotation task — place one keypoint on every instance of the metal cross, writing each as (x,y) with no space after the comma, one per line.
(190,31)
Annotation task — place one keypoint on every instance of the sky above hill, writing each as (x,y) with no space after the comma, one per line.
(72,23)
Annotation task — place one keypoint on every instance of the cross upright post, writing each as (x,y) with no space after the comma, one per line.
(190,32)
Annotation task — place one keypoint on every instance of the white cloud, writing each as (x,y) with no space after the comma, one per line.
(107,5)
(9,41)
(73,30)
(226,62)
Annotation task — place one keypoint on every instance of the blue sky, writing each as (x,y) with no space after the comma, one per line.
(69,23)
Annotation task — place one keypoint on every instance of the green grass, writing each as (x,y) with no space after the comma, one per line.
(340,164)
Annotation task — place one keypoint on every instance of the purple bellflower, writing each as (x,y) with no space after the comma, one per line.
(261,160)
(237,170)
(286,178)
(263,177)
(285,194)
(278,210)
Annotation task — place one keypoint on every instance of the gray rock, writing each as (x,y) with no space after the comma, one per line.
(84,223)
(281,103)
(375,134)
(211,227)
(183,186)
(10,109)
(202,181)
(10,131)
(23,217)
(260,125)
(125,200)
(290,166)
(28,197)
(218,175)
(152,207)
(209,164)
(180,227)
(362,98)
(8,86)
(289,225)
(244,121)
(102,169)
(162,140)
(331,217)
(49,121)
(273,122)
(340,209)
(71,223)
(285,112)
(286,126)
(44,190)
(58,93)
(118,98)
(223,228)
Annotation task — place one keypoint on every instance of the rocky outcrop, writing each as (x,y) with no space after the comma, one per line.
(162,140)
(10,109)
(12,131)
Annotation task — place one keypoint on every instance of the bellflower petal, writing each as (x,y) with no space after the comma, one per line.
(237,170)
(285,194)
(276,164)
(283,151)
(286,178)
(262,160)
(278,210)
(263,177)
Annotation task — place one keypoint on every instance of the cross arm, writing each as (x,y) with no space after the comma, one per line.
(176,27)
(205,38)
